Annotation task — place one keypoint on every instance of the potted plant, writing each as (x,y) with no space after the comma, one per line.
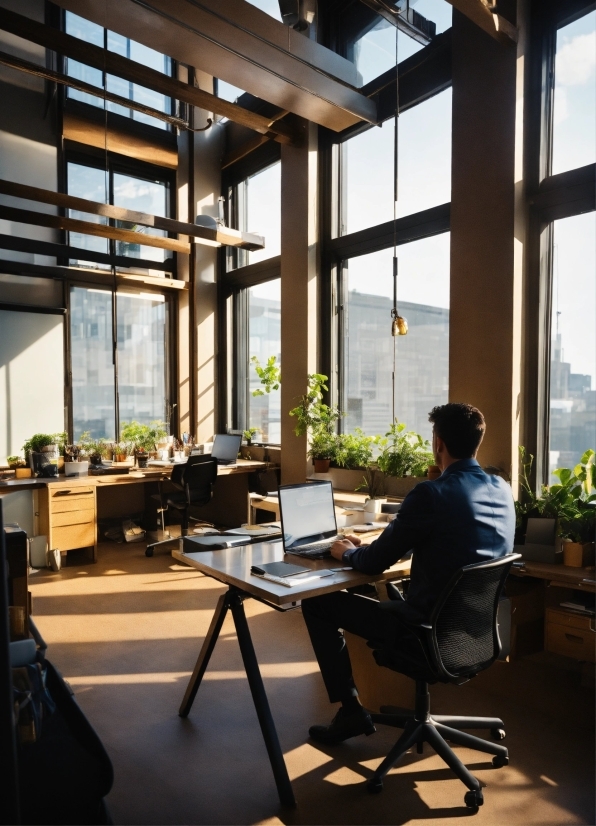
(317,420)
(404,453)
(373,483)
(94,449)
(37,443)
(15,461)
(249,434)
(142,439)
(355,450)
(121,451)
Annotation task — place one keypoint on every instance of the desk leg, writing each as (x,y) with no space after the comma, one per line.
(219,615)
(255,681)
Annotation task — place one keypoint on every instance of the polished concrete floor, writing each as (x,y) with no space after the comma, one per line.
(125,632)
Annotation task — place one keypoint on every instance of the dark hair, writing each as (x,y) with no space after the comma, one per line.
(460,426)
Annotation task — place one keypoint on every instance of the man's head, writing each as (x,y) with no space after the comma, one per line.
(458,430)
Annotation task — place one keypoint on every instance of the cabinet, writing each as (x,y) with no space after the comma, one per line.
(570,634)
(67,516)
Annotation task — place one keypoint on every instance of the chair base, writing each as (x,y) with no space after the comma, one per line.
(420,727)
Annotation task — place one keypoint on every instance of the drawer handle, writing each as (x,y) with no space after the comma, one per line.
(573,638)
(62,492)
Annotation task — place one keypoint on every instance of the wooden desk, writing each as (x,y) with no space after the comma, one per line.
(67,509)
(563,576)
(232,567)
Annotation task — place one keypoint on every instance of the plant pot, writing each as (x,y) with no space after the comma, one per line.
(321,465)
(121,457)
(95,459)
(578,554)
(142,460)
(374,505)
(80,468)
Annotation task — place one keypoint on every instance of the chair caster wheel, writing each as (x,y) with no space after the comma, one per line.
(374,786)
(149,552)
(499,761)
(497,733)
(473,799)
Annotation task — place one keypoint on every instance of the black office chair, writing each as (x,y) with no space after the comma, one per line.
(194,480)
(460,639)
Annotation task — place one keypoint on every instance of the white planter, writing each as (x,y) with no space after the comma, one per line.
(374,505)
(82,468)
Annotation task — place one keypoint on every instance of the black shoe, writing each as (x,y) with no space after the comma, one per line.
(343,727)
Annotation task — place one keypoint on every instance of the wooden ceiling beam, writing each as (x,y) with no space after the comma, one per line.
(223,236)
(481,12)
(130,70)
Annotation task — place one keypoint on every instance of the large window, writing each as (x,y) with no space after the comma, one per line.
(123,377)
(264,341)
(567,416)
(98,36)
(124,189)
(424,143)
(573,341)
(421,357)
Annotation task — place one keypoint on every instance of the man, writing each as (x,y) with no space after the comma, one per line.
(464,516)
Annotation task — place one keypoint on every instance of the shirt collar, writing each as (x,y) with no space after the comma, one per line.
(461,464)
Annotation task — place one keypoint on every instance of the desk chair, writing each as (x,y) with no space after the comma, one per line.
(194,481)
(460,639)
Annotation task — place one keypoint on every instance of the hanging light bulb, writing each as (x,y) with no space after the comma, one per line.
(399,324)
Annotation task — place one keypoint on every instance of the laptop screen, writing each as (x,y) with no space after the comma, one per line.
(226,447)
(307,513)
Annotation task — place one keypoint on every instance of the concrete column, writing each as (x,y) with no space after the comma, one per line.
(487,238)
(299,272)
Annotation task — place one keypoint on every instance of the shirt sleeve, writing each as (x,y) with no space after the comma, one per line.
(412,525)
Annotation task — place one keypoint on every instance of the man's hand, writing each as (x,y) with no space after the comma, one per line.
(339,548)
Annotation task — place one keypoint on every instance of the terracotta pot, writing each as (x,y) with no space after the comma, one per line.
(578,554)
(321,465)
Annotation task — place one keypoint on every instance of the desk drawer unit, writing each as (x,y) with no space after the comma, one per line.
(571,635)
(70,517)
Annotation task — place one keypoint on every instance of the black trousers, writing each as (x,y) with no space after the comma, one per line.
(328,616)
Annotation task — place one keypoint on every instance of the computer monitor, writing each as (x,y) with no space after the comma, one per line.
(225,448)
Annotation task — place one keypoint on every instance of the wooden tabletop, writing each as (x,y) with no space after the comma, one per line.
(232,567)
(565,575)
(134,476)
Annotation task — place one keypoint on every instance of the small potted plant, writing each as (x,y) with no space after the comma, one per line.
(143,438)
(404,458)
(249,435)
(317,420)
(15,461)
(374,484)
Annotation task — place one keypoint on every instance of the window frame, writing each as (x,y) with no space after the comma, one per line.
(171,337)
(550,198)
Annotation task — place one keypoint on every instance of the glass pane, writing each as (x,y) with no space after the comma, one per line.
(424,165)
(88,75)
(421,357)
(143,196)
(264,337)
(93,398)
(263,211)
(270,7)
(573,345)
(83,29)
(574,127)
(142,334)
(228,92)
(90,183)
(374,52)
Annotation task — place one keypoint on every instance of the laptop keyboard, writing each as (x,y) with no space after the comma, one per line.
(314,550)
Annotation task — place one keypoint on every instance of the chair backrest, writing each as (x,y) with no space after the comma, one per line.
(200,474)
(463,637)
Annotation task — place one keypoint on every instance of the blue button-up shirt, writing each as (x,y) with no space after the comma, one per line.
(464,516)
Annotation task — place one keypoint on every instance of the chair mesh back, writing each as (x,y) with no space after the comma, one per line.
(465,626)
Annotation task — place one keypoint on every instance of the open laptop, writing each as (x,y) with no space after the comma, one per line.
(308,519)
(225,448)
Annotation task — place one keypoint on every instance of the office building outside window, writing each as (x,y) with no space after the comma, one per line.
(421,357)
(573,342)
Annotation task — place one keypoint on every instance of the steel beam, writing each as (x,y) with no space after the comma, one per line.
(242,45)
